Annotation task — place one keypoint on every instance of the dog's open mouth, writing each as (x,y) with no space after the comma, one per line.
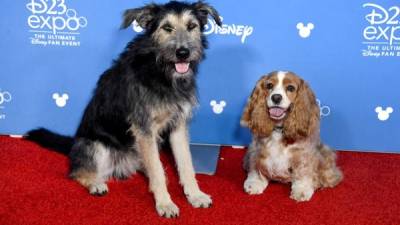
(277,113)
(182,67)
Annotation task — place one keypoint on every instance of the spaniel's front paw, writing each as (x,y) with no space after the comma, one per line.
(301,191)
(254,186)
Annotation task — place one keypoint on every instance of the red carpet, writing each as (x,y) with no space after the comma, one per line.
(34,189)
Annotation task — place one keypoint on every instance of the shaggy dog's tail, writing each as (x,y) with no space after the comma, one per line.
(51,140)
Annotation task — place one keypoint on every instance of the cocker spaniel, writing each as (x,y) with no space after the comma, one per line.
(284,118)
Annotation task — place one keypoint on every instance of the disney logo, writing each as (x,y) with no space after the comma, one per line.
(239,30)
(383,24)
(370,53)
(380,15)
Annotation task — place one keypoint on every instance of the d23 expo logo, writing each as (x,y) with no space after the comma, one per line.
(381,36)
(52,23)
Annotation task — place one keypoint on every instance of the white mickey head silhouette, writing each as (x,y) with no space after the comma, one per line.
(305,31)
(136,27)
(61,101)
(383,114)
(218,108)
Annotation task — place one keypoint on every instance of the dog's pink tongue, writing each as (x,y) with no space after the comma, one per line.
(276,112)
(182,67)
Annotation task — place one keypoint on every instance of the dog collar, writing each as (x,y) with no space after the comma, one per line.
(278,128)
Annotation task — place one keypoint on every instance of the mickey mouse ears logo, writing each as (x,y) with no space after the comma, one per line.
(383,115)
(60,100)
(217,108)
(305,31)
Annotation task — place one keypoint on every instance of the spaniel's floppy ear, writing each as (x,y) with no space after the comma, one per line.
(255,115)
(203,10)
(143,16)
(303,120)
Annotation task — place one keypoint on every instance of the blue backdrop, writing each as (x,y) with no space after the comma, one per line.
(53,51)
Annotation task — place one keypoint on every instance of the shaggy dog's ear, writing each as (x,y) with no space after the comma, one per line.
(143,16)
(255,115)
(203,10)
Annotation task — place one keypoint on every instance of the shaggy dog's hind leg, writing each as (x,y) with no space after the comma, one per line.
(91,165)
(90,180)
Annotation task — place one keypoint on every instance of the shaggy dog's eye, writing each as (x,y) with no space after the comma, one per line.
(290,88)
(168,28)
(191,26)
(270,86)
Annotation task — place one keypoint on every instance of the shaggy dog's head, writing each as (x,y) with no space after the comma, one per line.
(176,33)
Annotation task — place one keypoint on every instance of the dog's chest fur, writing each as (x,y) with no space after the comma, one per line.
(167,115)
(275,160)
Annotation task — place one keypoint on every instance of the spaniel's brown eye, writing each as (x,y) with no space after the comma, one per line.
(168,28)
(290,88)
(191,26)
(270,86)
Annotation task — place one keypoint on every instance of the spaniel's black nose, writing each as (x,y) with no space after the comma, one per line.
(276,98)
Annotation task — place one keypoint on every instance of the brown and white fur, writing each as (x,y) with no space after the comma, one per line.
(284,118)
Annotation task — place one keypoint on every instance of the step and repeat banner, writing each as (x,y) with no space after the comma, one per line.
(53,51)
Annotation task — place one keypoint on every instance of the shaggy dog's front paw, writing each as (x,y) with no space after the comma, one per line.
(168,210)
(200,200)
(255,186)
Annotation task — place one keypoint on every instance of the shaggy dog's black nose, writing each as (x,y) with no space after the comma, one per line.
(276,98)
(182,53)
